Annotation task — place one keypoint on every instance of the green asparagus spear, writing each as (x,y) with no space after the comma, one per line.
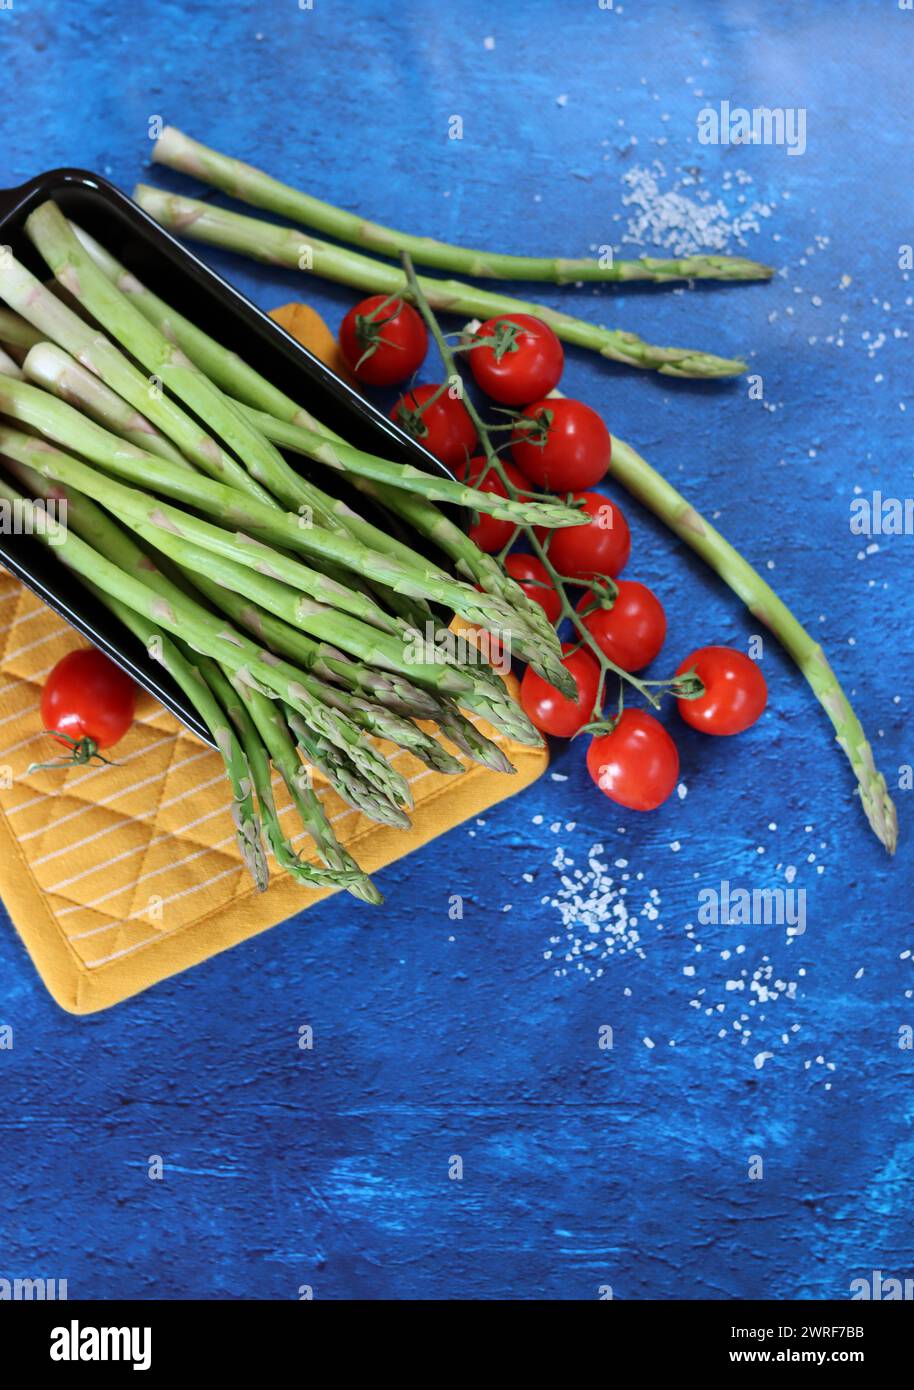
(162,523)
(268,475)
(57,372)
(383,723)
(472,686)
(343,457)
(253,186)
(540,647)
(296,249)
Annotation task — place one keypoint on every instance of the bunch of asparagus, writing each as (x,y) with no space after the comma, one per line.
(299,629)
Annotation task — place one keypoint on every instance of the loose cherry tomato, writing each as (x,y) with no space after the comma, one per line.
(603,547)
(576,451)
(735,691)
(89,700)
(533,578)
(383,340)
(524,362)
(489,533)
(444,427)
(632,631)
(636,765)
(553,713)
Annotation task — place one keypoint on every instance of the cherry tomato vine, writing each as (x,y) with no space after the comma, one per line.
(619,625)
(683,687)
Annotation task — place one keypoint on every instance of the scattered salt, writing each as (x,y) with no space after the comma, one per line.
(683,219)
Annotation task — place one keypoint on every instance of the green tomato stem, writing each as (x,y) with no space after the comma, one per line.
(84,750)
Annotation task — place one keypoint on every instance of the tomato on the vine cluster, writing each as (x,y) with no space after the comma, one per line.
(636,764)
(552,712)
(524,361)
(559,445)
(383,340)
(440,422)
(601,547)
(735,692)
(570,449)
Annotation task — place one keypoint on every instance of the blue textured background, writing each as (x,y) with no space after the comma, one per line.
(433,1037)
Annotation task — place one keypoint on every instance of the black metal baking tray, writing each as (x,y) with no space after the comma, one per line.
(174,273)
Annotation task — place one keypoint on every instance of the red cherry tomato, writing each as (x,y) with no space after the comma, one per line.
(444,427)
(87,697)
(553,713)
(636,765)
(603,547)
(383,340)
(632,631)
(576,452)
(524,362)
(735,691)
(533,578)
(489,533)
